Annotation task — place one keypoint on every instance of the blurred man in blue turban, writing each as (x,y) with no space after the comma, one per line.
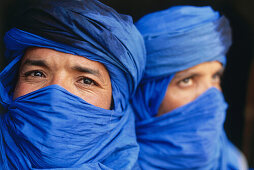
(72,68)
(179,106)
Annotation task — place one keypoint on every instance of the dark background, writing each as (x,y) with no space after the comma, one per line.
(238,80)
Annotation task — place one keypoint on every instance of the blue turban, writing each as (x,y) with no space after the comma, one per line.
(191,136)
(177,35)
(52,128)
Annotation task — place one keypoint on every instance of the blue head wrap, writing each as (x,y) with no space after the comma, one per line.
(178,34)
(52,128)
(191,136)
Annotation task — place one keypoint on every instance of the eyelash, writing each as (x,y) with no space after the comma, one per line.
(29,73)
(86,84)
(191,77)
(218,74)
(187,78)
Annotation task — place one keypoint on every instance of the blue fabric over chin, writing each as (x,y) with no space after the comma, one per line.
(185,138)
(46,129)
(51,128)
(191,136)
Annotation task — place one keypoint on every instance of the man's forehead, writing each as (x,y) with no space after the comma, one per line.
(46,54)
(51,58)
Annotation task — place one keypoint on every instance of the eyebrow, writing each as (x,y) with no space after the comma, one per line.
(186,74)
(193,74)
(87,70)
(41,63)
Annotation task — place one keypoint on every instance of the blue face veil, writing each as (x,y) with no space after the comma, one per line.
(51,128)
(191,136)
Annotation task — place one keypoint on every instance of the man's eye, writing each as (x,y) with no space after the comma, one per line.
(34,74)
(88,81)
(217,77)
(185,82)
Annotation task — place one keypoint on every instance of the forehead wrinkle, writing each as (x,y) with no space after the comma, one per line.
(35,62)
(186,73)
(197,71)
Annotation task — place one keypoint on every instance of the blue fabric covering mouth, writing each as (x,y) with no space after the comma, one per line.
(51,128)
(185,138)
(191,136)
(41,131)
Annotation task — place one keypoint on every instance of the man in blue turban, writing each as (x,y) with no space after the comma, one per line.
(72,68)
(179,106)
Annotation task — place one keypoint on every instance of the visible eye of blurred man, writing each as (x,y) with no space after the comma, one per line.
(188,84)
(179,106)
(41,67)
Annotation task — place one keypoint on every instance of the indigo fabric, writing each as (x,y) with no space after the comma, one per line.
(185,36)
(51,128)
(190,136)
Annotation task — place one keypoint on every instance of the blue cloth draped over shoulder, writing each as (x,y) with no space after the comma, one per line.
(51,128)
(191,136)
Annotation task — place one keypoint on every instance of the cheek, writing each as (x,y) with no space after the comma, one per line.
(101,101)
(22,89)
(99,98)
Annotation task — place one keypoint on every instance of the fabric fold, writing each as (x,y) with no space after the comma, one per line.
(190,136)
(51,128)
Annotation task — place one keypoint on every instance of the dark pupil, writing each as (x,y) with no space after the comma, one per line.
(37,74)
(186,80)
(87,81)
